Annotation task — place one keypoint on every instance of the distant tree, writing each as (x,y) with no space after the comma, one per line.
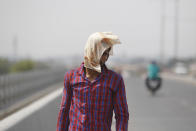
(23,65)
(41,65)
(4,66)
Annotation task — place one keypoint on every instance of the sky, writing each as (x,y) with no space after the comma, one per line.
(58,28)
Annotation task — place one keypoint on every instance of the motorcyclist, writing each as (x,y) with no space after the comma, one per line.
(153,70)
(153,76)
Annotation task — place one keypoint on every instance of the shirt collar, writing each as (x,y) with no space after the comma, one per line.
(81,69)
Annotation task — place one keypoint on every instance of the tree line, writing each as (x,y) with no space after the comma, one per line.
(8,66)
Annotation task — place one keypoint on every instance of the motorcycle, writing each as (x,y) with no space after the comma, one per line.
(153,84)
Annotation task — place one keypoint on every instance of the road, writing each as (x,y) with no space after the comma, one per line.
(173,108)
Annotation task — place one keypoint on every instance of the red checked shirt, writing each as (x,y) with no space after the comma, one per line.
(89,106)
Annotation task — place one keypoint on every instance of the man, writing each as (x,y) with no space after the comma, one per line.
(92,92)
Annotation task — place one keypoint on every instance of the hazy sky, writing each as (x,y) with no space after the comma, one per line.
(50,28)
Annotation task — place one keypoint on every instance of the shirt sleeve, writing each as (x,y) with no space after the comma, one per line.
(121,108)
(63,117)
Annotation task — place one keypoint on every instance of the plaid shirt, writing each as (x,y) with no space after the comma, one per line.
(88,106)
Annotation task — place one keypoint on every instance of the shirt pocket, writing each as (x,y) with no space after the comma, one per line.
(102,99)
(80,92)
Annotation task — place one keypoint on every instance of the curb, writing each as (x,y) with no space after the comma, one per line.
(182,78)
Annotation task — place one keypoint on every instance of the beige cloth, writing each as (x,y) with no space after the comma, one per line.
(96,44)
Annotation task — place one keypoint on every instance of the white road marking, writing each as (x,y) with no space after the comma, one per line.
(15,118)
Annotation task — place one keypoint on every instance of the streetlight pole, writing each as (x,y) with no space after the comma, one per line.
(15,48)
(162,30)
(176,30)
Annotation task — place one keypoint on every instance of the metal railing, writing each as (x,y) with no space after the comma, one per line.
(15,87)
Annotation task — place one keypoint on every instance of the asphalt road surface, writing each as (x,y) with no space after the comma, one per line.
(173,108)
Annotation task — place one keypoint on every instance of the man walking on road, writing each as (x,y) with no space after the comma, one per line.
(92,92)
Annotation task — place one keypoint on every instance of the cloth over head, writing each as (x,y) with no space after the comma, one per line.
(96,44)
